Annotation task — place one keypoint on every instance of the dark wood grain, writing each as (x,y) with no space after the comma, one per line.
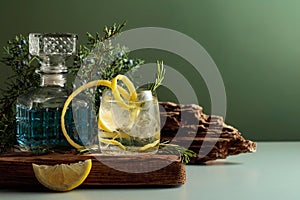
(16,169)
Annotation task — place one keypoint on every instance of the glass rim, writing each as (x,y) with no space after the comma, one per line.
(149,96)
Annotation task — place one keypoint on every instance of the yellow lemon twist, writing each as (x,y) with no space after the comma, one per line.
(117,92)
(123,98)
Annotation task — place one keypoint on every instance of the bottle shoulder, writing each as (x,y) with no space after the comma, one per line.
(44,97)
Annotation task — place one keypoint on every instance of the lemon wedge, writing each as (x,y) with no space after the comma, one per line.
(62,177)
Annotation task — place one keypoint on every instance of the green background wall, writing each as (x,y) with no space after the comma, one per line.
(255,44)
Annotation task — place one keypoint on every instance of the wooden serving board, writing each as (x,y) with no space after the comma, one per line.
(155,170)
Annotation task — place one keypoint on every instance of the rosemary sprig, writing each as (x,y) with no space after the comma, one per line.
(159,76)
(184,153)
(15,55)
(89,150)
(164,147)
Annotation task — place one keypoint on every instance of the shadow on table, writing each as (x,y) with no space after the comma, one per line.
(220,163)
(24,189)
(41,189)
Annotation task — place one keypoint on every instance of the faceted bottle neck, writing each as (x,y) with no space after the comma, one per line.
(53,79)
(53,64)
(53,71)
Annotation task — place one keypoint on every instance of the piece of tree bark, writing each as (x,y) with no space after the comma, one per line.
(208,136)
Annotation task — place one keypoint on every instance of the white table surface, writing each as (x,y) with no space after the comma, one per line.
(273,172)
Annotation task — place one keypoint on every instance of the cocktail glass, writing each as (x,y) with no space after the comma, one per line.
(129,130)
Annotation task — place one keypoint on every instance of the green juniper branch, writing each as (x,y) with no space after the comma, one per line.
(15,55)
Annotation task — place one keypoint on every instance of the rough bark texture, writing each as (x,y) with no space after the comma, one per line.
(208,136)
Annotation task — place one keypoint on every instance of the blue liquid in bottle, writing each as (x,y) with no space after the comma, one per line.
(37,127)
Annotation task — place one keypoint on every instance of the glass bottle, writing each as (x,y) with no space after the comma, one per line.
(39,110)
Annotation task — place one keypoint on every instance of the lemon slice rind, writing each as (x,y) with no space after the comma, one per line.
(62,177)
